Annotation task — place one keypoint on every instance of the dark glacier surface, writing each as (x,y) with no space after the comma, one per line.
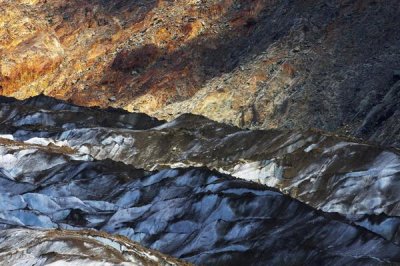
(204,192)
(194,214)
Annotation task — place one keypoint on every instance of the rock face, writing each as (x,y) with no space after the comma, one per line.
(331,65)
(201,191)
(29,48)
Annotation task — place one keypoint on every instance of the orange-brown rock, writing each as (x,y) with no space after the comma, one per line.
(29,49)
(258,63)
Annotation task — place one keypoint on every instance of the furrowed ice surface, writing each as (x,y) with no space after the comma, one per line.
(194,214)
(77,170)
(19,158)
(322,170)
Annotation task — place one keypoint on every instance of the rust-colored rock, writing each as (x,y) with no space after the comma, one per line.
(259,63)
(29,49)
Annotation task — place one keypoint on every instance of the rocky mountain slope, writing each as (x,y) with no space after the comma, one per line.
(332,65)
(201,191)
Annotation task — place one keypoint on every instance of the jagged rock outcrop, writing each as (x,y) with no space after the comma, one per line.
(331,65)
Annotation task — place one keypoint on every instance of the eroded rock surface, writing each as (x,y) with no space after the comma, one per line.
(331,65)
